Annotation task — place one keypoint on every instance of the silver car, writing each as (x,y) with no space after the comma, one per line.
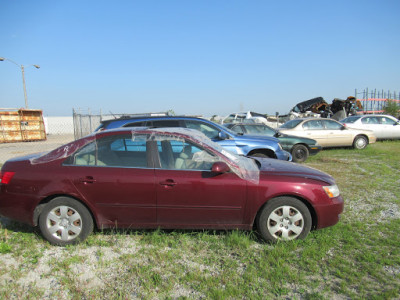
(383,126)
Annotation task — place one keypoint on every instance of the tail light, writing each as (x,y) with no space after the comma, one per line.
(5,177)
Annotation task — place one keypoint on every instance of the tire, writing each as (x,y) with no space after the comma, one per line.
(65,221)
(299,153)
(360,142)
(261,155)
(284,218)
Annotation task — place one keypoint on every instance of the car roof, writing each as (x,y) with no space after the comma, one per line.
(136,118)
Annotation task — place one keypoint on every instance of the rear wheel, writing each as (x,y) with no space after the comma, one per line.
(284,218)
(360,142)
(299,153)
(65,221)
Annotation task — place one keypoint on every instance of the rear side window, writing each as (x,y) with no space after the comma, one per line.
(387,121)
(370,120)
(332,125)
(313,125)
(113,151)
(134,124)
(164,123)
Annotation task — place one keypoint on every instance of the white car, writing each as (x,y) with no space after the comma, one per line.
(383,126)
(329,133)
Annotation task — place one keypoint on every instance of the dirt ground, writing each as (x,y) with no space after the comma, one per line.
(10,150)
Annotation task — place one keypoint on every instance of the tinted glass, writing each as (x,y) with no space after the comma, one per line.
(164,123)
(209,130)
(134,124)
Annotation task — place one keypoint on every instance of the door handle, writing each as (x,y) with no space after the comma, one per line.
(87,179)
(168,182)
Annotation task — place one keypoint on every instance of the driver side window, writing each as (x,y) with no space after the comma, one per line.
(183,155)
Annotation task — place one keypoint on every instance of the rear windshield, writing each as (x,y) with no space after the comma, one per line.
(291,124)
(351,119)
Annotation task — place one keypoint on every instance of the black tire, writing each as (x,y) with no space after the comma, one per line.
(65,221)
(284,218)
(261,155)
(299,153)
(360,142)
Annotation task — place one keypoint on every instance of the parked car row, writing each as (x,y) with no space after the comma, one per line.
(247,145)
(181,172)
(329,133)
(299,147)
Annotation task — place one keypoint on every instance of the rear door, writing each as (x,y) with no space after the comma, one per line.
(113,175)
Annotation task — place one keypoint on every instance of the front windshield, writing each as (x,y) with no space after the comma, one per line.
(291,124)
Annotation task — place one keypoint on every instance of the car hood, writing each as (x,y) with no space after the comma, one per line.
(282,168)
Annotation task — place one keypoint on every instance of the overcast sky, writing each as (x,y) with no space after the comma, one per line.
(195,57)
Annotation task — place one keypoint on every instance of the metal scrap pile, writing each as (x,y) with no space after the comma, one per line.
(318,107)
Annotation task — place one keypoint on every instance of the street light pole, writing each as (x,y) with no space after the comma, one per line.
(23,76)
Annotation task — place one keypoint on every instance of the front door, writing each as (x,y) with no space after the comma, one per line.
(189,195)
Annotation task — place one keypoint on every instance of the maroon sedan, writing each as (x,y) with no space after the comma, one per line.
(167,178)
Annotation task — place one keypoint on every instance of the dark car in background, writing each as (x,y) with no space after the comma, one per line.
(172,178)
(247,145)
(299,147)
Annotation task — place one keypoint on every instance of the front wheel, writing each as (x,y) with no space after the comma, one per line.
(360,142)
(262,155)
(284,218)
(65,221)
(299,153)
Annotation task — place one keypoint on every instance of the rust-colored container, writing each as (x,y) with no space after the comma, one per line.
(21,125)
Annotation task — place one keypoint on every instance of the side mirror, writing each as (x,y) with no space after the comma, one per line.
(220,167)
(343,127)
(222,135)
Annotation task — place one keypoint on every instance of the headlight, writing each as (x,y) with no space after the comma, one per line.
(332,191)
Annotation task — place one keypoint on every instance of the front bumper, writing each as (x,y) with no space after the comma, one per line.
(314,149)
(283,155)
